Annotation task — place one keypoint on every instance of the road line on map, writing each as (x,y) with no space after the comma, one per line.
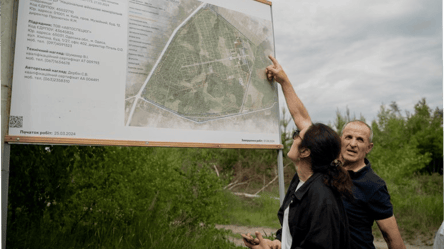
(158,60)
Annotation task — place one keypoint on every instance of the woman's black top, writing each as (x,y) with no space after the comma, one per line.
(317,218)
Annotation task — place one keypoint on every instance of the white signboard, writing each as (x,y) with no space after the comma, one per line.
(179,71)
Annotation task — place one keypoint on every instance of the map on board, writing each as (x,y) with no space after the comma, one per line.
(185,72)
(207,64)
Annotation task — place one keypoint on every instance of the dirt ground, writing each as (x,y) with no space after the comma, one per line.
(379,243)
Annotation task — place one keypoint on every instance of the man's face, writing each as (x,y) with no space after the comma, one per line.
(355,142)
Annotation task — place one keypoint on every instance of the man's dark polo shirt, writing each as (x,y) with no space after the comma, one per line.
(372,202)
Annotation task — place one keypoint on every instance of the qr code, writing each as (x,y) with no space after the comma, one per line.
(16,121)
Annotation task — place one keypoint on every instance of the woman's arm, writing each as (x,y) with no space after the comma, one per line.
(295,105)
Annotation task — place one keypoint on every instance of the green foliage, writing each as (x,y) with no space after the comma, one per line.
(227,160)
(143,233)
(203,197)
(39,177)
(397,162)
(73,189)
(426,127)
(417,203)
(124,183)
(404,145)
(393,154)
(341,120)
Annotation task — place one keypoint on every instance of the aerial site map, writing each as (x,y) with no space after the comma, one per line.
(201,67)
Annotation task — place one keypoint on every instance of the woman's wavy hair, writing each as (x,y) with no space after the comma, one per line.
(325,146)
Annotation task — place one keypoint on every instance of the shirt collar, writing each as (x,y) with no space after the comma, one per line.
(304,188)
(361,172)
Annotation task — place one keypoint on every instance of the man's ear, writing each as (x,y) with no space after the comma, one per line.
(369,148)
(304,152)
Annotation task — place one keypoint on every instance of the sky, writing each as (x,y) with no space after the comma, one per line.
(360,54)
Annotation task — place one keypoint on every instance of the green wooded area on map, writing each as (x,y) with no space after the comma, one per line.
(210,70)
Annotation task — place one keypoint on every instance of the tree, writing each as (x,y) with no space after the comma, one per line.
(341,120)
(426,127)
(404,145)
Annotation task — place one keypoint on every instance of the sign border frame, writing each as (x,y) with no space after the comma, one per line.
(14,139)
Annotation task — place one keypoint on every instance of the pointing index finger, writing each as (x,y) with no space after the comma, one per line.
(275,62)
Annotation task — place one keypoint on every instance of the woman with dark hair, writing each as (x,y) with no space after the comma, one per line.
(312,214)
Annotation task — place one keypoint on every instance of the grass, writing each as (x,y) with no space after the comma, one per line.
(143,233)
(418,205)
(260,212)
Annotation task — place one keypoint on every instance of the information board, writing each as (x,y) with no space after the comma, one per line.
(144,72)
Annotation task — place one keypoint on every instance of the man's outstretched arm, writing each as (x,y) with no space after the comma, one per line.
(295,105)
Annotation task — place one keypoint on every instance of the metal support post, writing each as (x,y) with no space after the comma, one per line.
(8,26)
(281,177)
(4,191)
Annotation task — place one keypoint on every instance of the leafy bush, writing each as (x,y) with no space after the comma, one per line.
(41,176)
(400,161)
(73,188)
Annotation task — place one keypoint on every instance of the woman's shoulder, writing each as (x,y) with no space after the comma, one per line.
(319,191)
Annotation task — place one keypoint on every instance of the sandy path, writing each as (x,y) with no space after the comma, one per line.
(379,243)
